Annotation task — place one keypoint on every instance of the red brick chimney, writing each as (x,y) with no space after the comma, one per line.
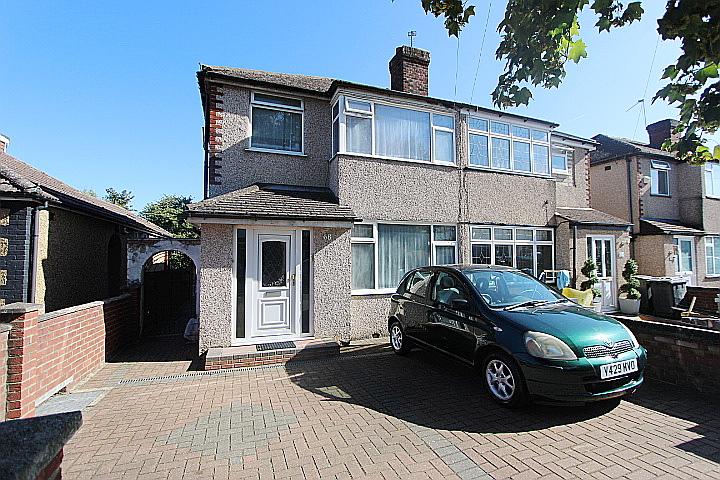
(409,70)
(661,131)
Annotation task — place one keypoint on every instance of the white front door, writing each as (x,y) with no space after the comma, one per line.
(602,251)
(274,285)
(685,258)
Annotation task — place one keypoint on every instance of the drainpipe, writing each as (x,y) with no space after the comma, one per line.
(34,251)
(575,232)
(630,206)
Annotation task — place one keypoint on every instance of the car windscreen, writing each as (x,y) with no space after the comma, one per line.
(502,289)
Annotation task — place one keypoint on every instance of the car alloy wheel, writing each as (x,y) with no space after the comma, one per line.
(500,380)
(398,342)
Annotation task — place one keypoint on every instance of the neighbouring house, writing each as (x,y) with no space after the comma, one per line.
(321,193)
(674,207)
(59,246)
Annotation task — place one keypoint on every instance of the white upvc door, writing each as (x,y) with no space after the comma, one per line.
(273,270)
(602,251)
(685,259)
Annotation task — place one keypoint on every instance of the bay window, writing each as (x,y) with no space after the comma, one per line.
(369,127)
(276,123)
(526,248)
(383,252)
(505,146)
(712,255)
(712,179)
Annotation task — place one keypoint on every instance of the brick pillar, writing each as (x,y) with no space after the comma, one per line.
(21,377)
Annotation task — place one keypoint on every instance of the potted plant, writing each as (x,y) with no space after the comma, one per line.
(629,299)
(589,269)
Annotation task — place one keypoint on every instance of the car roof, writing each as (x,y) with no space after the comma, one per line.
(465,267)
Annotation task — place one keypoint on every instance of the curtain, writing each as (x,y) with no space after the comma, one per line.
(359,134)
(363,266)
(402,133)
(277,130)
(400,249)
(444,255)
(444,146)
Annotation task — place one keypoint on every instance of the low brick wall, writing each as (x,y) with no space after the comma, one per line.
(679,354)
(49,352)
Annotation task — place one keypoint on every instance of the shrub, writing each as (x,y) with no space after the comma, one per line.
(589,269)
(631,285)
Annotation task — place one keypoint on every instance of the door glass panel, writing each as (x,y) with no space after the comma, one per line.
(524,260)
(599,258)
(240,269)
(504,255)
(607,267)
(544,258)
(447,289)
(305,278)
(274,273)
(418,283)
(686,261)
(481,254)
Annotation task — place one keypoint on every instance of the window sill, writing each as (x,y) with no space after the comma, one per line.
(713,197)
(394,159)
(509,172)
(365,293)
(565,173)
(660,195)
(278,152)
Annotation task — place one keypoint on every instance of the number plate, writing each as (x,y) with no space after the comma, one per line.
(618,369)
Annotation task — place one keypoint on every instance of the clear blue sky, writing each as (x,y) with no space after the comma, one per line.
(102,96)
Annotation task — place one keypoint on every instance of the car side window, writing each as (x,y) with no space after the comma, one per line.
(448,288)
(418,283)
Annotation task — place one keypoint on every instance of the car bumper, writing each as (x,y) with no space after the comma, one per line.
(579,381)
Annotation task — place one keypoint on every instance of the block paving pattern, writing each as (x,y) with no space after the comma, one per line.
(375,415)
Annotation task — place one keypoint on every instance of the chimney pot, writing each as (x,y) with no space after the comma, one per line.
(409,70)
(660,131)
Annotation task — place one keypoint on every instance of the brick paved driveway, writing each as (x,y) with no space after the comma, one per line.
(374,415)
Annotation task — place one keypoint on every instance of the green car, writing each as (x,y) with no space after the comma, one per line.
(528,341)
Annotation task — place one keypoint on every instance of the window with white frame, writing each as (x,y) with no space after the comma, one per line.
(561,159)
(505,146)
(526,248)
(276,123)
(659,178)
(383,252)
(712,255)
(712,179)
(381,129)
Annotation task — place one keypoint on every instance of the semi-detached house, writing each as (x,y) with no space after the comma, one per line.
(321,193)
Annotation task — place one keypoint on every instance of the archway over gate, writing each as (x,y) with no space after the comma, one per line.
(169,271)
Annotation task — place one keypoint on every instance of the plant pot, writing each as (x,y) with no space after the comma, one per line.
(597,305)
(629,306)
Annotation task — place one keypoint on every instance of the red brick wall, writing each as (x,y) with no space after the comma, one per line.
(680,355)
(3,369)
(61,348)
(409,70)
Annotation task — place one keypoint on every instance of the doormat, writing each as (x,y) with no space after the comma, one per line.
(263,347)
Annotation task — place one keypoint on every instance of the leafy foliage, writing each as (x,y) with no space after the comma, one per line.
(123,199)
(539,37)
(589,269)
(631,285)
(169,213)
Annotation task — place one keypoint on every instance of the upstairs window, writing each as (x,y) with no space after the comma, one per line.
(276,123)
(504,146)
(659,178)
(712,179)
(561,159)
(390,131)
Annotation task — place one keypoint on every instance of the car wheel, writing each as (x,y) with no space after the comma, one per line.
(503,380)
(398,342)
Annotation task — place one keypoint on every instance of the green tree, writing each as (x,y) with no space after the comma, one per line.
(169,213)
(539,37)
(123,199)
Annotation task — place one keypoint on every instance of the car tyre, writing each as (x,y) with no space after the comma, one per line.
(398,341)
(504,381)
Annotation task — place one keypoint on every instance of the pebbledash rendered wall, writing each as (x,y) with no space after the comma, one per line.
(330,284)
(47,352)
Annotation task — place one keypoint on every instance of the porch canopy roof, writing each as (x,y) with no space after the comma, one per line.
(588,217)
(267,201)
(652,226)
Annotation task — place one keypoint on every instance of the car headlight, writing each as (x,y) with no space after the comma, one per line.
(634,341)
(542,345)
